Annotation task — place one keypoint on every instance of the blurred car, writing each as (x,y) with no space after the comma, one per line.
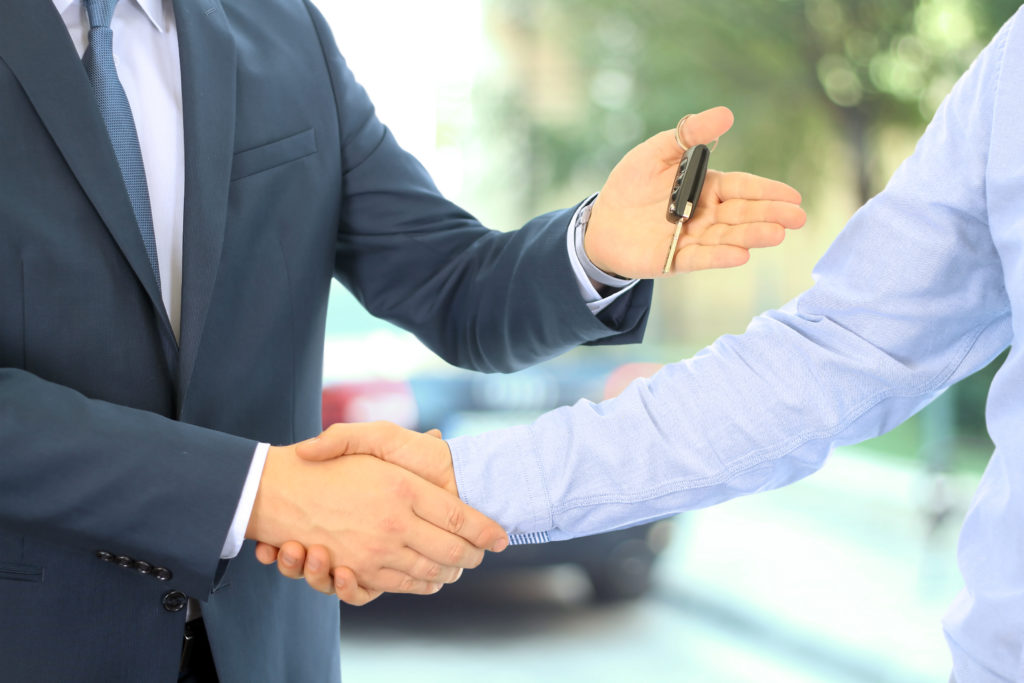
(618,563)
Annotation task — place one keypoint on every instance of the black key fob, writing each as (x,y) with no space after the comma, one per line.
(688,183)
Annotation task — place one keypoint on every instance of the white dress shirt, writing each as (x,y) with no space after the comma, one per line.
(146,56)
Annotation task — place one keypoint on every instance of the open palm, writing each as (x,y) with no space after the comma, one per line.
(628,234)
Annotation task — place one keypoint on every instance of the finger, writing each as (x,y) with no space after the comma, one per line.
(450,515)
(348,589)
(408,561)
(703,257)
(442,547)
(394,581)
(758,235)
(705,127)
(436,433)
(317,569)
(367,438)
(429,570)
(266,553)
(741,211)
(291,558)
(738,185)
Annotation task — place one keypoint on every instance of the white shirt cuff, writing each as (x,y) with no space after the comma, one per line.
(236,534)
(595,302)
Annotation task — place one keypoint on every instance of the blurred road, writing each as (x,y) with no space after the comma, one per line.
(839,578)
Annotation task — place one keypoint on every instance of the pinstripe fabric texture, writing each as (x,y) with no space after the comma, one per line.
(527,539)
(117,115)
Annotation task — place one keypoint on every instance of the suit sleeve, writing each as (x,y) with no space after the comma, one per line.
(910,299)
(90,474)
(487,300)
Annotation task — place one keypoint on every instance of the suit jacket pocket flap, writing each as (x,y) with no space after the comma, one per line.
(273,154)
(20,572)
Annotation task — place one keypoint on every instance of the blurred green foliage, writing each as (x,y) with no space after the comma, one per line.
(798,73)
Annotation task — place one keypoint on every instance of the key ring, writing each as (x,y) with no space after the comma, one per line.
(679,137)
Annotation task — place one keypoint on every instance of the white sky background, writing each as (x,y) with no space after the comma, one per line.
(412,58)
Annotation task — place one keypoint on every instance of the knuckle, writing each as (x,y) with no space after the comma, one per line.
(456,519)
(402,488)
(431,570)
(391,524)
(455,554)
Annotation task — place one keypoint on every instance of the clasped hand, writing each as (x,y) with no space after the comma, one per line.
(393,530)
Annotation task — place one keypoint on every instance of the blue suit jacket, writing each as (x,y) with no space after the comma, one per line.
(124,453)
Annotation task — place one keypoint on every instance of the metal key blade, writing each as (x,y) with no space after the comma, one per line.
(672,248)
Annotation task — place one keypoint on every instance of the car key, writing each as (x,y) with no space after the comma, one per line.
(682,202)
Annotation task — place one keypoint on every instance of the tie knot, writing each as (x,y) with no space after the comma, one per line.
(100,12)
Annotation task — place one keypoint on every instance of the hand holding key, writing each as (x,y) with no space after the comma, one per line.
(628,235)
(686,188)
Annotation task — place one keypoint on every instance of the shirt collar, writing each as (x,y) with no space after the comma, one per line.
(153,9)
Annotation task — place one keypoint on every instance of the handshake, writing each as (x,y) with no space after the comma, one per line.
(365,509)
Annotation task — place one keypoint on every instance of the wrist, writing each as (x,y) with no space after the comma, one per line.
(599,277)
(267,503)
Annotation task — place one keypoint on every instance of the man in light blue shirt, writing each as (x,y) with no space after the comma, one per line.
(918,292)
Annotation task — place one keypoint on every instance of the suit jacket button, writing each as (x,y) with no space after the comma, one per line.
(162,573)
(104,555)
(124,561)
(143,567)
(174,601)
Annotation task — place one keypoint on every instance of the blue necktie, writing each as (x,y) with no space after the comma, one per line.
(117,115)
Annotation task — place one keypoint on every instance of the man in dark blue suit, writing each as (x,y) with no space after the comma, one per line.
(180,182)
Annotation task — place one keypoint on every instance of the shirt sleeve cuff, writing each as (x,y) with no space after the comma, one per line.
(236,534)
(586,272)
(508,487)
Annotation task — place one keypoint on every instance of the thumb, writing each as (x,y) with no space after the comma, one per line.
(705,127)
(436,433)
(364,438)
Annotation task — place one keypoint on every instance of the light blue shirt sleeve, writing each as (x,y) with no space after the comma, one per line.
(908,300)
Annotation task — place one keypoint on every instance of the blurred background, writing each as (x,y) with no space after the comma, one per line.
(522,106)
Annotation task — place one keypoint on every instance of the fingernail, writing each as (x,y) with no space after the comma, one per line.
(289,560)
(500,545)
(339,584)
(436,587)
(314,564)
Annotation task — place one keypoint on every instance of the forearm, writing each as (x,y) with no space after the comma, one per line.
(483,299)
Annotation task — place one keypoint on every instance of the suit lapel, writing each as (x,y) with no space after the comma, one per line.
(36,46)
(208,95)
